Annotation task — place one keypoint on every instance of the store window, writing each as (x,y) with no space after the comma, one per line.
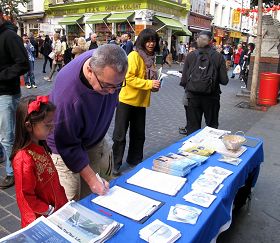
(75,31)
(34,28)
(30,6)
(124,28)
(104,32)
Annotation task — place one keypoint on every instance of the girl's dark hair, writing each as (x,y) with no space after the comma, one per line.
(145,36)
(22,136)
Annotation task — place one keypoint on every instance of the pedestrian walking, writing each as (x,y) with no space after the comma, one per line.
(58,57)
(141,79)
(46,50)
(86,95)
(236,58)
(165,52)
(29,78)
(37,186)
(227,52)
(13,63)
(204,71)
(181,52)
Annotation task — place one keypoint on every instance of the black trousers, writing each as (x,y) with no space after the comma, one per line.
(45,62)
(134,118)
(202,105)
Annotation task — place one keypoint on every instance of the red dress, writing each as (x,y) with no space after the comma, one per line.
(36,183)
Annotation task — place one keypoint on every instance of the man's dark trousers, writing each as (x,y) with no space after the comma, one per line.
(197,106)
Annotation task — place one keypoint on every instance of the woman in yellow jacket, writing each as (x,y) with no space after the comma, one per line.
(141,79)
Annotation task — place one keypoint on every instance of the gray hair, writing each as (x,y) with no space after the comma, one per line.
(109,55)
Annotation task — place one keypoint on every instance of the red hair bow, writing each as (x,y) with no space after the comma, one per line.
(35,105)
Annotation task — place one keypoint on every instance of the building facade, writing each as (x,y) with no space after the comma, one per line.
(32,17)
(199,19)
(80,18)
(228,25)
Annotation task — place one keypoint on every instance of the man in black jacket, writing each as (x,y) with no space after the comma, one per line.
(199,103)
(13,63)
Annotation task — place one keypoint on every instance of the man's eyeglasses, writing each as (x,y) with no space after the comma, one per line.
(105,85)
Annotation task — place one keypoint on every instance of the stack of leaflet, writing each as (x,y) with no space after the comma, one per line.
(159,232)
(208,183)
(211,179)
(177,164)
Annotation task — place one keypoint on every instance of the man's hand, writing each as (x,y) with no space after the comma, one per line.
(98,186)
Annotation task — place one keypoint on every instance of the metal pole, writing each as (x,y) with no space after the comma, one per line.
(253,95)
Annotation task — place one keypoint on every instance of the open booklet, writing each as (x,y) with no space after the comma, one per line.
(128,203)
(71,223)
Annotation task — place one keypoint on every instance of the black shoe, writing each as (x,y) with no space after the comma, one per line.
(7,182)
(44,71)
(232,77)
(183,131)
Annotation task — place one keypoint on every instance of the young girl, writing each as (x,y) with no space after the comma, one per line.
(38,190)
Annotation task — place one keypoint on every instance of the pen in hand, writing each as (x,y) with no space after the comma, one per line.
(103,182)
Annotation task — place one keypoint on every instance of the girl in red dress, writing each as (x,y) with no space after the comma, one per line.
(38,190)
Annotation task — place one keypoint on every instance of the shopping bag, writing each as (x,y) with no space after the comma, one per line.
(237,69)
(52,55)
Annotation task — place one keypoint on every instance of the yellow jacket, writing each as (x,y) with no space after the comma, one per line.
(137,91)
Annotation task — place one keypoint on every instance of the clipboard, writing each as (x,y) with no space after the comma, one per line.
(120,195)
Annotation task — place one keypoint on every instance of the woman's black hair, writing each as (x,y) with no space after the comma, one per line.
(63,38)
(145,36)
(22,136)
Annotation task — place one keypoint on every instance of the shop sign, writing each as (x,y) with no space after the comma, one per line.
(236,17)
(139,28)
(201,22)
(219,33)
(114,7)
(235,34)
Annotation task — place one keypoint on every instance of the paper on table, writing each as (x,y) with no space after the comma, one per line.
(200,198)
(217,170)
(159,232)
(157,181)
(184,214)
(207,183)
(128,203)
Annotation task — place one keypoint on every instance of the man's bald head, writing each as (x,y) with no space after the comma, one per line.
(93,37)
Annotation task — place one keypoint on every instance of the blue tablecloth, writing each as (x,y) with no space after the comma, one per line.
(210,221)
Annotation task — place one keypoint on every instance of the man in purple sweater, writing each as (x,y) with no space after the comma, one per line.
(85,95)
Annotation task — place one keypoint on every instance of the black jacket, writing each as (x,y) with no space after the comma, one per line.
(93,45)
(13,61)
(221,76)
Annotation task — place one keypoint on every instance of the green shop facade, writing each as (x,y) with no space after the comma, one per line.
(80,18)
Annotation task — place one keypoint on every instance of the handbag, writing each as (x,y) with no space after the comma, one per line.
(58,57)
(237,69)
(52,55)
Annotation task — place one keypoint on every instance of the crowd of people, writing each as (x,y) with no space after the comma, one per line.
(56,146)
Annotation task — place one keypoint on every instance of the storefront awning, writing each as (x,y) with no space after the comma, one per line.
(96,18)
(119,17)
(174,25)
(32,15)
(70,20)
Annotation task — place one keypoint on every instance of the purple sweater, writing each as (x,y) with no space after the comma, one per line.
(82,118)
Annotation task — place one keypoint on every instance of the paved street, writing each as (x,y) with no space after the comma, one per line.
(165,115)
